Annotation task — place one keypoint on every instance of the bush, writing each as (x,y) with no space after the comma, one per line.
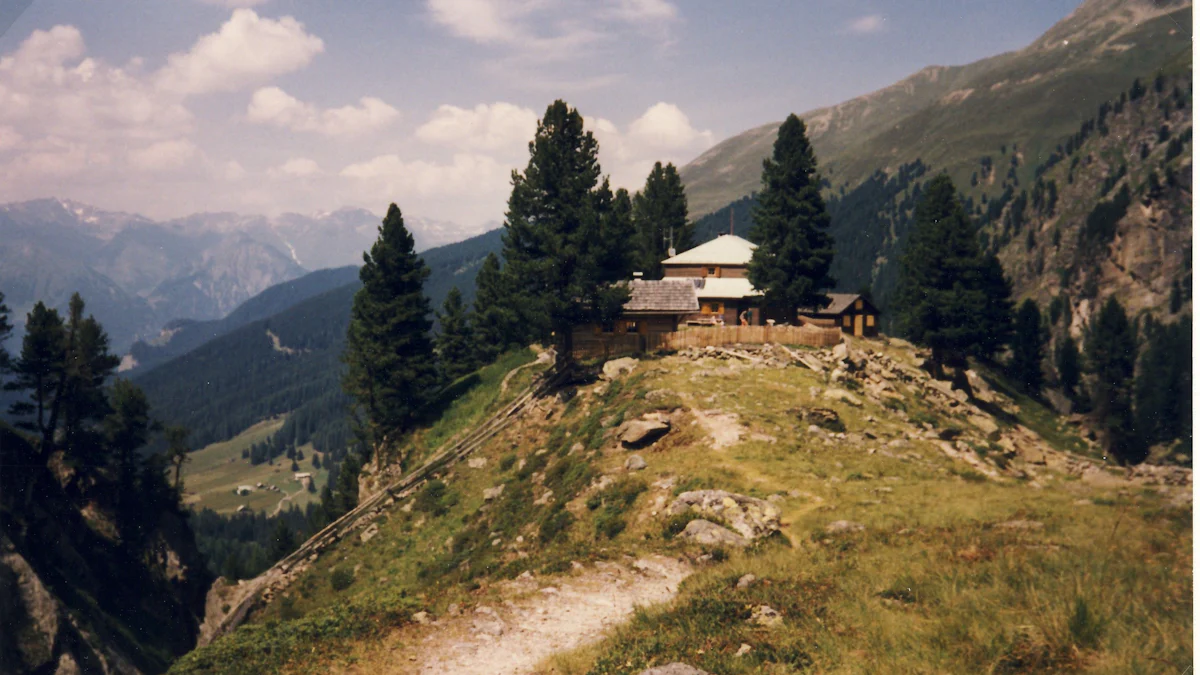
(553,526)
(609,523)
(508,461)
(676,524)
(435,498)
(341,578)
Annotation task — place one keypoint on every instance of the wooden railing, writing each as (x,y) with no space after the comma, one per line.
(607,346)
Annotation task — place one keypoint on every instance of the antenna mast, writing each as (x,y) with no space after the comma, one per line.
(731,220)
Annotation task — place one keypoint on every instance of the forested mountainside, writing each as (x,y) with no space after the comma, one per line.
(949,117)
(1088,219)
(180,337)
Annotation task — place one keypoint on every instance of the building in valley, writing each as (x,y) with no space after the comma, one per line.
(852,312)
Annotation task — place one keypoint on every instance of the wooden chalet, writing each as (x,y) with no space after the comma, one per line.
(852,312)
(653,307)
(718,270)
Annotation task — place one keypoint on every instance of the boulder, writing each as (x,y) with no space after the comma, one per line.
(477,462)
(746,581)
(674,669)
(765,615)
(711,534)
(844,526)
(640,433)
(824,418)
(635,463)
(618,367)
(843,396)
(493,492)
(750,517)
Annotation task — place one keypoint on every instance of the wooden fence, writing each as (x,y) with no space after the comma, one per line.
(607,346)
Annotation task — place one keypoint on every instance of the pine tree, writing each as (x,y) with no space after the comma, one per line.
(391,370)
(950,296)
(1111,350)
(1028,349)
(283,541)
(87,365)
(1162,388)
(496,315)
(38,368)
(795,251)
(456,341)
(5,332)
(660,216)
(563,248)
(178,453)
(1066,362)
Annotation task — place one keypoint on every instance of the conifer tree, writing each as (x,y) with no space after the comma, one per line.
(87,365)
(1175,300)
(283,541)
(1028,349)
(660,215)
(795,250)
(38,368)
(5,332)
(950,296)
(496,315)
(391,371)
(1111,350)
(1066,362)
(563,249)
(178,453)
(455,342)
(1163,387)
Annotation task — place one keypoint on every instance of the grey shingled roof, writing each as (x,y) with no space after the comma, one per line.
(839,302)
(666,296)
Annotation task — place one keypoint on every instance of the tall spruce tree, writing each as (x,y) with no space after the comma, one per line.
(950,296)
(87,364)
(38,369)
(1111,350)
(496,315)
(795,250)
(1028,348)
(455,343)
(1066,362)
(1163,386)
(391,370)
(563,248)
(5,332)
(660,215)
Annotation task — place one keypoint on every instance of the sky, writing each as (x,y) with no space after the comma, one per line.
(173,107)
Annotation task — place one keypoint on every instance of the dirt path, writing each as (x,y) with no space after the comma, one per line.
(287,498)
(543,616)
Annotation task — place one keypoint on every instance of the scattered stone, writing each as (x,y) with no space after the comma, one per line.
(493,492)
(477,462)
(711,534)
(618,367)
(824,418)
(748,516)
(674,669)
(575,447)
(844,526)
(1024,525)
(843,396)
(743,650)
(368,533)
(765,615)
(746,581)
(635,463)
(422,618)
(641,433)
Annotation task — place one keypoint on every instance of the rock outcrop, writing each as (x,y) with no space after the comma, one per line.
(750,517)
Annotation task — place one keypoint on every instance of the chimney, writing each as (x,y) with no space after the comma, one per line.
(671,252)
(637,275)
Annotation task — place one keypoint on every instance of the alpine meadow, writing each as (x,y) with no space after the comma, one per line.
(627,337)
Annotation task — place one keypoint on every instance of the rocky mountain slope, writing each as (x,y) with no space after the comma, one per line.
(949,116)
(74,597)
(832,509)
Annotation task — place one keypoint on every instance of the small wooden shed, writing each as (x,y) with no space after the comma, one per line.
(852,312)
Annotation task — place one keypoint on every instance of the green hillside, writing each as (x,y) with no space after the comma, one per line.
(948,117)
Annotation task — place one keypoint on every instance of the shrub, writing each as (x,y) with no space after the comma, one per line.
(435,498)
(676,524)
(341,578)
(553,525)
(508,461)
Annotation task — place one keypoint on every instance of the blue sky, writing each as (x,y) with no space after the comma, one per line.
(176,106)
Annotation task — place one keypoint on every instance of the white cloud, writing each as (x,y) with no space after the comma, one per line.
(662,133)
(483,21)
(247,49)
(272,105)
(499,127)
(470,188)
(637,11)
(298,167)
(864,25)
(164,155)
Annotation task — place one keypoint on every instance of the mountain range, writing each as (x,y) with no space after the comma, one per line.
(140,277)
